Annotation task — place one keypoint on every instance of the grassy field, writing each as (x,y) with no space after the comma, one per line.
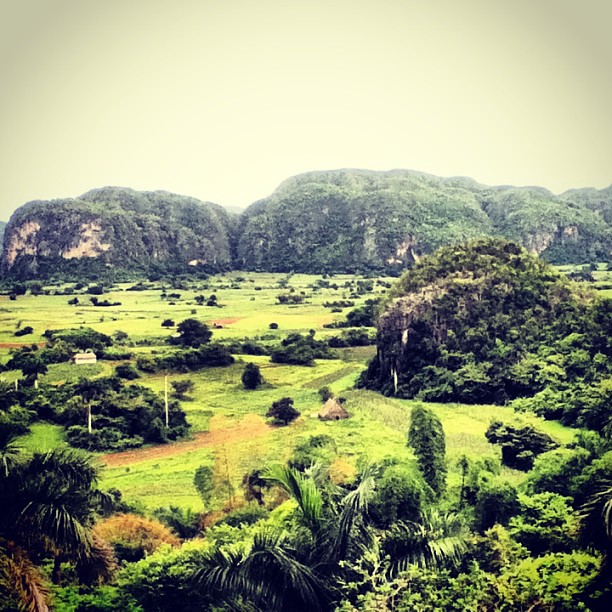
(228,422)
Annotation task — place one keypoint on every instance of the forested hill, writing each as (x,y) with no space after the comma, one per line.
(117,227)
(332,221)
(366,220)
(2,226)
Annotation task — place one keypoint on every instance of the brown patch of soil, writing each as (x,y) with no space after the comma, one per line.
(252,426)
(20,344)
(227,321)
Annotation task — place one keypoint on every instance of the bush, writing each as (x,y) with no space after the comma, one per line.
(496,502)
(520,445)
(24,331)
(167,323)
(183,521)
(400,494)
(180,388)
(247,515)
(325,393)
(283,411)
(133,536)
(126,371)
(273,326)
(251,376)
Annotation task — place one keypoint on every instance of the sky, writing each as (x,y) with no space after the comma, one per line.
(223,100)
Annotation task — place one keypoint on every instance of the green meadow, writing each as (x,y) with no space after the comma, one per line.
(229,428)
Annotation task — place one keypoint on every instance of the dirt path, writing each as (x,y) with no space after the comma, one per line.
(20,344)
(252,426)
(227,321)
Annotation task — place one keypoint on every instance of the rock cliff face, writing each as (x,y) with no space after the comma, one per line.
(334,221)
(116,227)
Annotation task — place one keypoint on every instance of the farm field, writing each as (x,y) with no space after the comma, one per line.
(229,430)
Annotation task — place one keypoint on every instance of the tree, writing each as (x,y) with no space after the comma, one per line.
(283,411)
(126,371)
(47,510)
(181,388)
(193,333)
(203,482)
(426,436)
(325,393)
(251,376)
(520,445)
(32,367)
(167,323)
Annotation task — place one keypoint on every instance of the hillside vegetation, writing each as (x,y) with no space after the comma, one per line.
(116,228)
(348,220)
(488,322)
(334,221)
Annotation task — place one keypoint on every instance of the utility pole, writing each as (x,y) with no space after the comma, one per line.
(89,429)
(166,398)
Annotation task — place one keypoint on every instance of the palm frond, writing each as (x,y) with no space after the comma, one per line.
(56,524)
(20,578)
(267,575)
(302,489)
(351,527)
(437,540)
(596,514)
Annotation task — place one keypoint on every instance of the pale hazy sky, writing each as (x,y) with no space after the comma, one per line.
(224,99)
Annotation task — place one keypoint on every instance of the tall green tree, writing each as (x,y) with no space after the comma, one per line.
(426,437)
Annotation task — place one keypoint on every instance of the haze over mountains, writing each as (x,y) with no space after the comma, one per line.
(328,221)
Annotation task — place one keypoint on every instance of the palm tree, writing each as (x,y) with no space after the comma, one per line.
(438,539)
(276,573)
(266,573)
(596,529)
(280,571)
(596,514)
(47,509)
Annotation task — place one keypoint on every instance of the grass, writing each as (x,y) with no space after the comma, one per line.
(43,437)
(220,405)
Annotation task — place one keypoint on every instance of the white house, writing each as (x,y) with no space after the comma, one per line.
(85,358)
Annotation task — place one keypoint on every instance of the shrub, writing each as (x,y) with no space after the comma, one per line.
(520,445)
(325,393)
(133,536)
(247,515)
(400,494)
(24,331)
(183,521)
(251,376)
(126,371)
(180,388)
(283,411)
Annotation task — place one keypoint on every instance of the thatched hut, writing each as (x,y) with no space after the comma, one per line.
(333,410)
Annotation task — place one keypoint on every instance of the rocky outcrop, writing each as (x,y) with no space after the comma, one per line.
(334,221)
(117,228)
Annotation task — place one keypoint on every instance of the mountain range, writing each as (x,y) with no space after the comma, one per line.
(327,221)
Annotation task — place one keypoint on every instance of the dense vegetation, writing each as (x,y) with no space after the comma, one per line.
(487,322)
(336,221)
(405,505)
(359,220)
(153,232)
